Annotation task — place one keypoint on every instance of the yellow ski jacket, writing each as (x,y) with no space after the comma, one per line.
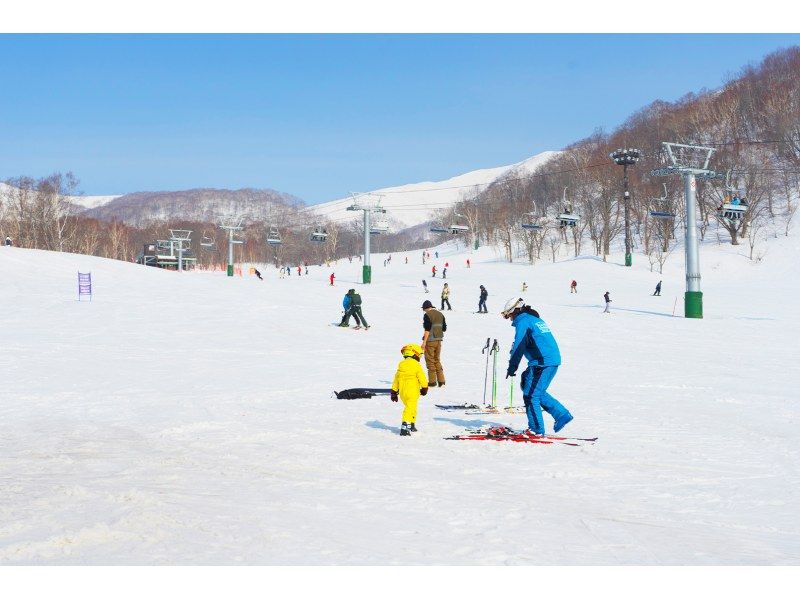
(409,378)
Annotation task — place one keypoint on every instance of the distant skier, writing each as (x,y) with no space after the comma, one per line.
(446,297)
(444,272)
(348,310)
(524,286)
(468,263)
(8,242)
(257,273)
(433,271)
(657,292)
(534,340)
(408,384)
(299,271)
(306,266)
(434,325)
(482,301)
(355,309)
(424,285)
(332,277)
(607,298)
(288,271)
(282,272)
(436,253)
(573,287)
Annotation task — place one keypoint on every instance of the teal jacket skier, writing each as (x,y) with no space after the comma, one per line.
(534,340)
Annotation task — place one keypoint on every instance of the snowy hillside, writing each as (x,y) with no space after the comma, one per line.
(409,205)
(81,201)
(188,418)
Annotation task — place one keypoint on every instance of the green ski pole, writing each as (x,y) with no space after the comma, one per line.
(511,394)
(495,350)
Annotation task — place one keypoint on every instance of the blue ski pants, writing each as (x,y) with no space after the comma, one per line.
(535,380)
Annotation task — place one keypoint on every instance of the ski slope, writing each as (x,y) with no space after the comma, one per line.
(416,203)
(188,418)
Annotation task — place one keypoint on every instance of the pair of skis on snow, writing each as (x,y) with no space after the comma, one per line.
(492,348)
(504,434)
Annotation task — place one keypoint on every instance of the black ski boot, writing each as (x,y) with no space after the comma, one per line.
(405,430)
(413,427)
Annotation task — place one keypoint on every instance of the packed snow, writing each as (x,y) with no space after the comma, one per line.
(187,418)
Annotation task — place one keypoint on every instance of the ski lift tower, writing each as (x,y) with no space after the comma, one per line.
(626,157)
(231,226)
(691,162)
(367,203)
(181,242)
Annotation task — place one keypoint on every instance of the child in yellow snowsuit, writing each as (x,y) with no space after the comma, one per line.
(409,383)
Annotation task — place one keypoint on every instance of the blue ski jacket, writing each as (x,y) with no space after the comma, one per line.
(534,340)
(346,302)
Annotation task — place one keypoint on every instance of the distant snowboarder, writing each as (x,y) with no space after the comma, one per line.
(257,273)
(433,271)
(332,277)
(607,298)
(573,287)
(408,384)
(444,272)
(524,286)
(534,340)
(8,242)
(482,301)
(468,265)
(425,285)
(657,292)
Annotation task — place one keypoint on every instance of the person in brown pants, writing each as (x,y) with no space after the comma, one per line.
(434,324)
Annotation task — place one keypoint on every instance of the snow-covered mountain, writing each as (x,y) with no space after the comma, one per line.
(416,203)
(203,205)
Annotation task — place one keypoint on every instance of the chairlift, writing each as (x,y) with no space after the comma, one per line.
(534,222)
(662,214)
(320,235)
(458,227)
(732,207)
(438,229)
(208,243)
(273,236)
(567,218)
(379,226)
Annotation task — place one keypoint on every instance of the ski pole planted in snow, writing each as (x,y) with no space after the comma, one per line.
(495,349)
(486,372)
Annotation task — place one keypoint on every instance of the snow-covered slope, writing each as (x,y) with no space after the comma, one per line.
(188,418)
(84,202)
(409,205)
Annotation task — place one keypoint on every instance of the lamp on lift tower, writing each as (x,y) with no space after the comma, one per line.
(626,157)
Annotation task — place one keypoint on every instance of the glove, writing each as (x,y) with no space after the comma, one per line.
(394,397)
(423,391)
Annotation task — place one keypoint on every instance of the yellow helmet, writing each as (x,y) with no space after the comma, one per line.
(411,351)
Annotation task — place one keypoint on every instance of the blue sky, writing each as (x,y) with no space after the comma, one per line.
(321,115)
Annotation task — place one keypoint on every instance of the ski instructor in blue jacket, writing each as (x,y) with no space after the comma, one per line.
(534,340)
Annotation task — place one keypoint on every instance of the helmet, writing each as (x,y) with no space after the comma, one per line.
(511,305)
(411,351)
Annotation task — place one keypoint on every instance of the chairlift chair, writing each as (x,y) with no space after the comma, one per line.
(320,235)
(567,218)
(438,229)
(534,222)
(379,226)
(273,236)
(662,214)
(732,208)
(458,227)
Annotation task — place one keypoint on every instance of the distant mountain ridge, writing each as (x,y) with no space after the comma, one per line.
(416,203)
(204,205)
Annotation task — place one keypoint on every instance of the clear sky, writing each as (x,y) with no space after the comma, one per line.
(321,115)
